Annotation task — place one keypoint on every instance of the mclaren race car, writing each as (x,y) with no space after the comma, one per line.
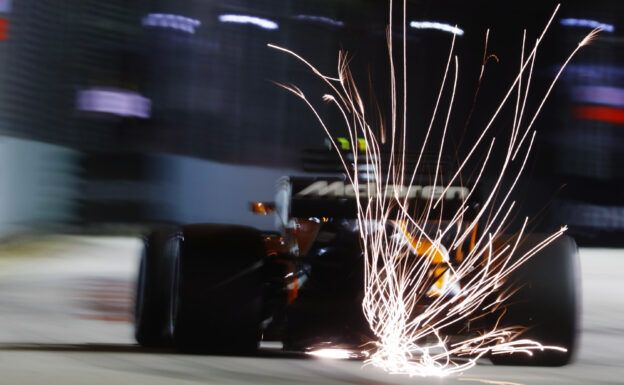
(222,288)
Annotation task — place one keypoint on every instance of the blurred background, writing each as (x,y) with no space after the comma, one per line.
(117,115)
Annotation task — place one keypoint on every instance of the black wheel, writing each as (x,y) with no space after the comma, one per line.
(548,302)
(218,289)
(152,304)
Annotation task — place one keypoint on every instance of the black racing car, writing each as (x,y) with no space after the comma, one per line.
(224,288)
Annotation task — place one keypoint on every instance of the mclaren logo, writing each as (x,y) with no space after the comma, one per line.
(339,189)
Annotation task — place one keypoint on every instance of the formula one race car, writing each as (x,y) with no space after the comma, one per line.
(223,288)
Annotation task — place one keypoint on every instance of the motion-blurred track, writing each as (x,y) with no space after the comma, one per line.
(66,306)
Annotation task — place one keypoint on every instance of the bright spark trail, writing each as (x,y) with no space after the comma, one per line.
(401,252)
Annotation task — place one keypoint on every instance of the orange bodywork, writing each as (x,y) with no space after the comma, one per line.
(304,233)
(437,255)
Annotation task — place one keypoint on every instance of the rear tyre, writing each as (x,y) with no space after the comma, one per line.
(151,316)
(548,303)
(217,291)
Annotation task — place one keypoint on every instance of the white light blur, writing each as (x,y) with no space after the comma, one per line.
(572,22)
(166,20)
(334,354)
(5,6)
(114,101)
(246,19)
(320,19)
(608,96)
(439,26)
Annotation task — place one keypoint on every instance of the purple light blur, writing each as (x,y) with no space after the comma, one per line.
(572,22)
(320,19)
(177,22)
(608,96)
(114,101)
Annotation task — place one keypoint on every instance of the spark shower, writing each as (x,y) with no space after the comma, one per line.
(400,252)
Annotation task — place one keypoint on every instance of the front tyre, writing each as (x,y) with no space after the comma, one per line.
(152,302)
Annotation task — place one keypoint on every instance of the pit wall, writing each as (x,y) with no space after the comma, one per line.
(38,185)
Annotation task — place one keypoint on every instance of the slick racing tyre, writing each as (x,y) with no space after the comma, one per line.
(151,316)
(217,296)
(548,303)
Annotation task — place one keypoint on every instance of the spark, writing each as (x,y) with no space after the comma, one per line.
(407,262)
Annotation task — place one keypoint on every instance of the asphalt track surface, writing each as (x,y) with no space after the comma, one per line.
(65,307)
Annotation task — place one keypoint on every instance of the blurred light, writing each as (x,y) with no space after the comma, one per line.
(246,19)
(320,19)
(114,101)
(609,96)
(277,345)
(571,22)
(610,218)
(435,25)
(335,354)
(591,73)
(5,6)
(165,20)
(603,114)
(4,28)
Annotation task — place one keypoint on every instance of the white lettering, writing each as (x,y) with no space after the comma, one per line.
(456,192)
(341,189)
(315,188)
(431,192)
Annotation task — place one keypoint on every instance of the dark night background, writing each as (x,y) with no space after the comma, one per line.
(219,132)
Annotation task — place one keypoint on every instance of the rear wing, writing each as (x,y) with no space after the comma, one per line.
(304,197)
